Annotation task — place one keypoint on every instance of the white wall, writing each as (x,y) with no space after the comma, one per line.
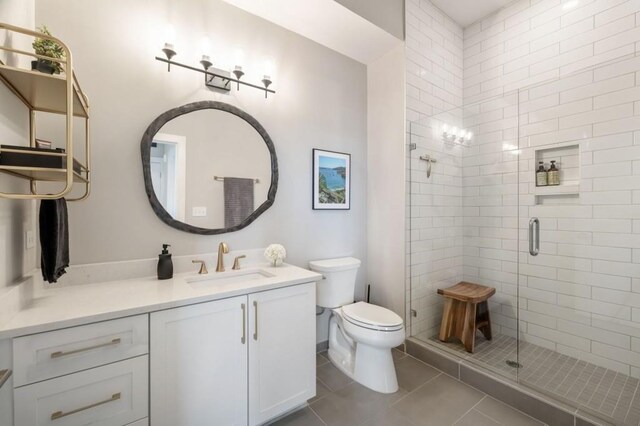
(321,103)
(580,296)
(114,44)
(386,14)
(434,84)
(16,217)
(385,184)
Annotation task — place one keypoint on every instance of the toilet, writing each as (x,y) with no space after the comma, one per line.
(361,335)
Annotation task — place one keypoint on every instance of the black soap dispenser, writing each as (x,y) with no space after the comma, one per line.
(165,264)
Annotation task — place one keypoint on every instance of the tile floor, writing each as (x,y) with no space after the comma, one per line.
(605,393)
(426,397)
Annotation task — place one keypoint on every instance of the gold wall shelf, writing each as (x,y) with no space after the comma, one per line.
(50,93)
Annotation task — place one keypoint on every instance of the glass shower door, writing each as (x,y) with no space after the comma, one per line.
(462,197)
(579,252)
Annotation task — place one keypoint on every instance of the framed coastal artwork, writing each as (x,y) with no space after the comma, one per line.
(331,180)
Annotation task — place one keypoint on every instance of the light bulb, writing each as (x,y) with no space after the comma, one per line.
(468,136)
(267,68)
(445,128)
(454,131)
(463,134)
(205,45)
(238,58)
(170,35)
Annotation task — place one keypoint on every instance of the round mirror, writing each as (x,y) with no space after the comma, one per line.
(209,168)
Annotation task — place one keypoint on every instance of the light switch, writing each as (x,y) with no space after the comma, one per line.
(199,211)
(29,240)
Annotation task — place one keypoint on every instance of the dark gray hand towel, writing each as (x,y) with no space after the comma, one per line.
(54,239)
(238,200)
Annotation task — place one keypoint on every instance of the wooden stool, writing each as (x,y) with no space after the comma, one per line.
(465,310)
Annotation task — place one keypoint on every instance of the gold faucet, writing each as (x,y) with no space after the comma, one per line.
(223,249)
(236,262)
(203,266)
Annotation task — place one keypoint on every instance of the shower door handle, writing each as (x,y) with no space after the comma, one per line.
(534,236)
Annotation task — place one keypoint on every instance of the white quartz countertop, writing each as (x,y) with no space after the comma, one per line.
(42,308)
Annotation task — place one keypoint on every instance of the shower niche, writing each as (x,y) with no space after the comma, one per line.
(567,160)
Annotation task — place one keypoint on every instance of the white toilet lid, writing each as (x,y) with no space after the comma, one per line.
(372,316)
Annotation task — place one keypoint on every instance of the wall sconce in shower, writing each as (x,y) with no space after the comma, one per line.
(456,135)
(213,77)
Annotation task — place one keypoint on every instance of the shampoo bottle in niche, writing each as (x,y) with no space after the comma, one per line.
(553,174)
(165,264)
(541,175)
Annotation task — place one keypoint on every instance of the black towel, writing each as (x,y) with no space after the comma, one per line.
(54,239)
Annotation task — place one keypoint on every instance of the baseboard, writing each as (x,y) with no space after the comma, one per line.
(527,400)
(322,346)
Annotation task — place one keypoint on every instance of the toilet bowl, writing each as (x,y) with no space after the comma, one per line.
(361,335)
(361,347)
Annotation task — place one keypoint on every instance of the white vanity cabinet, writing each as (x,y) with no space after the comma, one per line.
(282,346)
(199,364)
(90,374)
(6,398)
(236,361)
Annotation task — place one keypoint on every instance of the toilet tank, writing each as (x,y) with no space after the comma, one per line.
(338,285)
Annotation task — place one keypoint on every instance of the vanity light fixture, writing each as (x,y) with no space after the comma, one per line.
(215,78)
(237,71)
(206,62)
(266,80)
(170,52)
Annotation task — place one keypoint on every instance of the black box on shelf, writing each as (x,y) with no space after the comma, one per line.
(30,157)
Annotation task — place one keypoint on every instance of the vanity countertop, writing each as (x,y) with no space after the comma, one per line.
(44,308)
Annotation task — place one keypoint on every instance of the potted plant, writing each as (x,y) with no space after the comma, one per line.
(50,48)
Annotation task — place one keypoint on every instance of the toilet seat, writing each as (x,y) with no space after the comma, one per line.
(372,317)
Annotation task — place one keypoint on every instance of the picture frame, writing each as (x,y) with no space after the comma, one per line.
(331,180)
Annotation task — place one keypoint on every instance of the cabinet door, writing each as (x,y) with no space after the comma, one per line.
(282,343)
(6,399)
(199,364)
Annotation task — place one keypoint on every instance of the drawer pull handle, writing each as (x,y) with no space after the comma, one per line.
(255,329)
(244,325)
(61,414)
(75,351)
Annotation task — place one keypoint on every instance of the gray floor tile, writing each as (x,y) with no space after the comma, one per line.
(504,414)
(397,355)
(321,391)
(580,384)
(303,417)
(332,377)
(476,418)
(321,359)
(389,417)
(440,401)
(413,373)
(353,405)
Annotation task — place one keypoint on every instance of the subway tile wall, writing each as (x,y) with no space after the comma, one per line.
(535,75)
(434,71)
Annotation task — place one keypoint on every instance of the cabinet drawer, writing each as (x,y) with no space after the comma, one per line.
(115,394)
(56,353)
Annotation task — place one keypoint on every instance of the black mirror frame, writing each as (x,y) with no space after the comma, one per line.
(145,150)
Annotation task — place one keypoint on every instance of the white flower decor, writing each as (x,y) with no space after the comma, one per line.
(275,254)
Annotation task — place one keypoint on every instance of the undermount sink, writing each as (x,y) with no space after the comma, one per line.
(230,277)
